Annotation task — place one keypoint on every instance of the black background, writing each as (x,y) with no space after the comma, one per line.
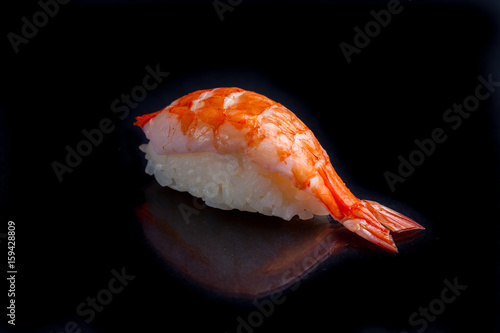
(71,234)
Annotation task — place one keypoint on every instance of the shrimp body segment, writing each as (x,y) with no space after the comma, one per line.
(236,121)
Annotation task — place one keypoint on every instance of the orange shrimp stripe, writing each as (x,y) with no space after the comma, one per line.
(142,120)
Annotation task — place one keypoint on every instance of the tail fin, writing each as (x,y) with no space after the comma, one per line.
(391,219)
(373,221)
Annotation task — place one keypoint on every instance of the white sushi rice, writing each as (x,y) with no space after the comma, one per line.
(232,182)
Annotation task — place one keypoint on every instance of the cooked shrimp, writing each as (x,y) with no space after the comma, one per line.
(234,121)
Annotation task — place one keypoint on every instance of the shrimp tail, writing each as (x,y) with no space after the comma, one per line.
(391,219)
(374,222)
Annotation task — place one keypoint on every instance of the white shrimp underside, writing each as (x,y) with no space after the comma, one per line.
(232,181)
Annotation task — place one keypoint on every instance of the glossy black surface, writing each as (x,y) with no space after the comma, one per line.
(75,237)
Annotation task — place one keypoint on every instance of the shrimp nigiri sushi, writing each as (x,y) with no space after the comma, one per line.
(237,149)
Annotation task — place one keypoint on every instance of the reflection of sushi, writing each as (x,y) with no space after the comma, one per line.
(238,149)
(286,251)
